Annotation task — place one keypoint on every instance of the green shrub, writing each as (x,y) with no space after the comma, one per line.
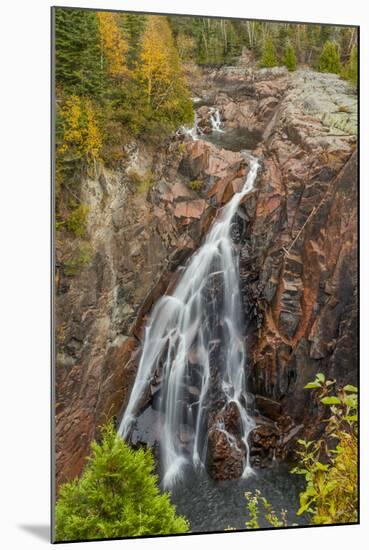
(76,221)
(329,61)
(350,71)
(258,505)
(330,463)
(141,183)
(269,56)
(181,148)
(80,257)
(289,59)
(117,496)
(195,185)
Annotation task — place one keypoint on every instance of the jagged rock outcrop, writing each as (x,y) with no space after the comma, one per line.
(299,262)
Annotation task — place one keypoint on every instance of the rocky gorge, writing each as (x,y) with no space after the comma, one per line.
(296,233)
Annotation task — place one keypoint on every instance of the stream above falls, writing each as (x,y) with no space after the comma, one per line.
(236,139)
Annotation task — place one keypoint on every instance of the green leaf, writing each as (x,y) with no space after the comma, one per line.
(322,467)
(312,385)
(320,376)
(304,508)
(351,401)
(330,401)
(350,388)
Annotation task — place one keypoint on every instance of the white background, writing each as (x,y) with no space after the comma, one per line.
(24,285)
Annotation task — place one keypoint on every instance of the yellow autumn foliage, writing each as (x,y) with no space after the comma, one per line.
(93,138)
(160,68)
(81,135)
(70,114)
(113,44)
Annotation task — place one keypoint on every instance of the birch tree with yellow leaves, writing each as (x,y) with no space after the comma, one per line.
(114,46)
(163,83)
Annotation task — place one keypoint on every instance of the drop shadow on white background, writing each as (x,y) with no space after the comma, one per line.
(40,531)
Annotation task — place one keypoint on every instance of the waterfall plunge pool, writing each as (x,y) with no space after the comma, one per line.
(211,505)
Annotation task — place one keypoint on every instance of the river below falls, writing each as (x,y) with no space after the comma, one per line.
(211,505)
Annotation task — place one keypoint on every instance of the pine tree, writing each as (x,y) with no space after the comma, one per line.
(269,56)
(329,61)
(289,59)
(117,496)
(133,25)
(283,37)
(77,51)
(353,66)
(325,34)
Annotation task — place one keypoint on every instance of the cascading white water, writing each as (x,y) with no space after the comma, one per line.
(186,333)
(194,131)
(215,120)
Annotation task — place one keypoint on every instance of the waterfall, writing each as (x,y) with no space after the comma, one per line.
(215,120)
(194,131)
(187,333)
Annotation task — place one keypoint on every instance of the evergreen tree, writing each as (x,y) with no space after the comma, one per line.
(269,56)
(77,51)
(117,496)
(353,66)
(133,25)
(325,34)
(329,61)
(283,37)
(289,59)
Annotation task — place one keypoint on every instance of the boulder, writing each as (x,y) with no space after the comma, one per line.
(226,453)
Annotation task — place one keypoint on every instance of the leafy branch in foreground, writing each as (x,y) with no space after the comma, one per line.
(255,503)
(329,465)
(117,496)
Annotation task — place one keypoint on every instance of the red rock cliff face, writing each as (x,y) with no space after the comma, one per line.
(299,261)
(305,294)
